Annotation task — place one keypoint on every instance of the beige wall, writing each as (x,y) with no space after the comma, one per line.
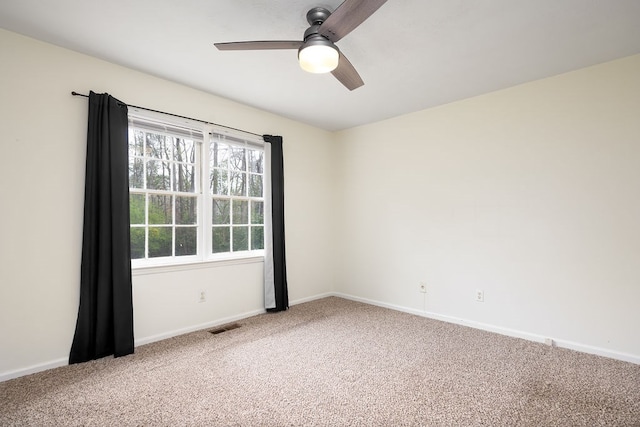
(531,194)
(43,137)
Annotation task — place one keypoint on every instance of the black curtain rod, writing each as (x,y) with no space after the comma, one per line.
(74,93)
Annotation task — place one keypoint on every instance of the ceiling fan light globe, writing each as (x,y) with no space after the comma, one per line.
(318,58)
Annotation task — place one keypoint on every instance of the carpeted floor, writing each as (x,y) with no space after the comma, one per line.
(333,362)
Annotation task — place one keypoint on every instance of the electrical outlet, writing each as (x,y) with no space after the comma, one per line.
(479,295)
(203,296)
(422,287)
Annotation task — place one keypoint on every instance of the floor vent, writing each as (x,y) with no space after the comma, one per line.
(225,328)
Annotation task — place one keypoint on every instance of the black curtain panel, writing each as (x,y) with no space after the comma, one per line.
(277,264)
(105,315)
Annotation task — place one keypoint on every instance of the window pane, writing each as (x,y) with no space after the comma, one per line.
(136,173)
(160,209)
(257,212)
(137,242)
(186,210)
(257,238)
(184,178)
(221,211)
(240,239)
(136,208)
(219,182)
(136,143)
(255,185)
(240,212)
(160,241)
(238,183)
(185,150)
(238,159)
(220,239)
(159,146)
(219,155)
(158,175)
(186,241)
(256,161)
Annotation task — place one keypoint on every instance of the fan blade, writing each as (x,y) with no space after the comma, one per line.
(347,17)
(347,74)
(259,45)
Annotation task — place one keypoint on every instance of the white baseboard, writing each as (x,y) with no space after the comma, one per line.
(182,331)
(312,298)
(583,348)
(230,319)
(6,376)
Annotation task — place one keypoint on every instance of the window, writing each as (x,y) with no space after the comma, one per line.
(237,188)
(193,198)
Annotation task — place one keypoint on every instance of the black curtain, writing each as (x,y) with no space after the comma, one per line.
(105,315)
(277,220)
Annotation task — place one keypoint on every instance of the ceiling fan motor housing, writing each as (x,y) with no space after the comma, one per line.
(312,36)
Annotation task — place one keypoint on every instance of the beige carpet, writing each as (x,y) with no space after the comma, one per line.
(333,362)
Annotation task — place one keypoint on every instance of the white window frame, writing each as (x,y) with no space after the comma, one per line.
(204,197)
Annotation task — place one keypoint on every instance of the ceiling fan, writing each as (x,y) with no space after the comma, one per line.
(317,52)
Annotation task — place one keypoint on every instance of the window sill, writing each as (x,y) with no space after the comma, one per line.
(196,265)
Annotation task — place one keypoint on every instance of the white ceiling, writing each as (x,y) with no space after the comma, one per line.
(411,54)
